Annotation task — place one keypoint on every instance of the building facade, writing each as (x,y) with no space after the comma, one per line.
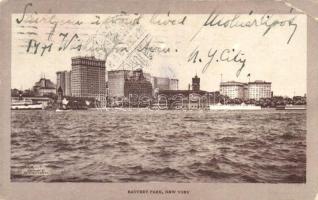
(161,83)
(252,90)
(63,80)
(196,83)
(233,89)
(68,83)
(185,99)
(137,84)
(245,89)
(164,83)
(44,87)
(116,82)
(174,84)
(259,89)
(88,77)
(117,78)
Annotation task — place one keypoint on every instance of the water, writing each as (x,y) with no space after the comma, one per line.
(171,146)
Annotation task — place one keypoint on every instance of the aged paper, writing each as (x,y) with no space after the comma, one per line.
(183,100)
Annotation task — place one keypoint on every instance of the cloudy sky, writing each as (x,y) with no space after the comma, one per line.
(180,49)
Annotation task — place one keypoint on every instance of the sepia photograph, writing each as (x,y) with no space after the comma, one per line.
(158,99)
(184,98)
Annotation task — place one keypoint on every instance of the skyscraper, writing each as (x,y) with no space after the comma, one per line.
(259,89)
(164,83)
(63,80)
(137,84)
(233,89)
(116,82)
(174,84)
(251,90)
(88,77)
(117,78)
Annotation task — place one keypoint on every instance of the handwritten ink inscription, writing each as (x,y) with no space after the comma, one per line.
(36,47)
(218,55)
(267,21)
(126,40)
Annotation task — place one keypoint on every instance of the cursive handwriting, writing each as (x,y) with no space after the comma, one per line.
(167,20)
(122,18)
(149,48)
(67,42)
(33,18)
(235,21)
(217,55)
(24,12)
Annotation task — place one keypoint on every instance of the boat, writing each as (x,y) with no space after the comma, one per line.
(26,104)
(291,107)
(242,106)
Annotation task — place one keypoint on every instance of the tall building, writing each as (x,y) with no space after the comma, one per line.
(161,82)
(252,90)
(233,89)
(164,83)
(44,87)
(88,77)
(137,84)
(259,89)
(245,91)
(196,83)
(68,83)
(174,84)
(116,82)
(117,78)
(63,80)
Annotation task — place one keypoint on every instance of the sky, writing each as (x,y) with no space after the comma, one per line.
(180,49)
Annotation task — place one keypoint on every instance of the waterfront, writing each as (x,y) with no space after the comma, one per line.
(172,146)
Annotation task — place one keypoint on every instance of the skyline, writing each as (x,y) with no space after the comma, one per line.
(268,57)
(214,90)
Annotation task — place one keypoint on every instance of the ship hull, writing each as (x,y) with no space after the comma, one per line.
(27,107)
(292,107)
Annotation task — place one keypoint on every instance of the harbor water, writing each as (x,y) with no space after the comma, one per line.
(266,146)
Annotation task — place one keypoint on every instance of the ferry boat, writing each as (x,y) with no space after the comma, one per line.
(25,104)
(291,107)
(242,106)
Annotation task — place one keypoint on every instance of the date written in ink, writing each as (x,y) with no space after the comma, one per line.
(67,41)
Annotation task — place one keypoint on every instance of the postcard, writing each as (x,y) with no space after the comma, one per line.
(150,100)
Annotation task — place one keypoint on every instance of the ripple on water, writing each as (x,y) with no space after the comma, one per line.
(170,146)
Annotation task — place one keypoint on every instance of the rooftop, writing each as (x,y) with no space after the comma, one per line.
(228,83)
(259,82)
(88,58)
